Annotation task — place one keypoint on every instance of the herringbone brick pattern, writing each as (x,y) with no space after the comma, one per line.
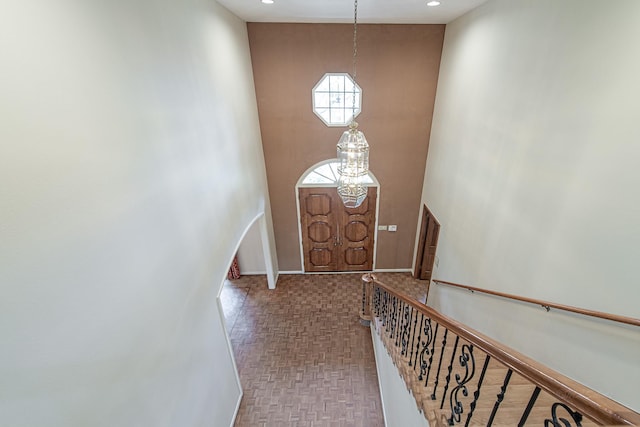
(304,359)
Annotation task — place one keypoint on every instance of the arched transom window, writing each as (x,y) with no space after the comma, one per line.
(326,174)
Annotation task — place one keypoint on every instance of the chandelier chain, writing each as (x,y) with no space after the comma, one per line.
(353,149)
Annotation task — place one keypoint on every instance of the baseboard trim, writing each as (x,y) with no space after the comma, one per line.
(253,273)
(377,270)
(235,413)
(337,272)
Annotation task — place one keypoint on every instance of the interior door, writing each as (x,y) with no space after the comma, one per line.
(336,238)
(427,245)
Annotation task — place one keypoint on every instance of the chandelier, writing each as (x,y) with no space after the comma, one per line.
(352,148)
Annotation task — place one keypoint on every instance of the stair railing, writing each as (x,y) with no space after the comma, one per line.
(459,376)
(547,305)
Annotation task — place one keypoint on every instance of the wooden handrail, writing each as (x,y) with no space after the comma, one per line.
(547,305)
(591,404)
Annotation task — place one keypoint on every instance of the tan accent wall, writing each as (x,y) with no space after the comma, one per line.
(397,71)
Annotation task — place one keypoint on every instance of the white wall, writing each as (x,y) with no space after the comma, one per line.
(250,253)
(399,406)
(533,174)
(130,164)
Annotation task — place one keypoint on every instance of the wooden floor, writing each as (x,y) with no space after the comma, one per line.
(304,359)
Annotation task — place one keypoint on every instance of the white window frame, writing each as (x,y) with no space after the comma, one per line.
(339,109)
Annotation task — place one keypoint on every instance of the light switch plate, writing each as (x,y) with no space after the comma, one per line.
(382,227)
(393,228)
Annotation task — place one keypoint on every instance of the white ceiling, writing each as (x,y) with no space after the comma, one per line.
(341,11)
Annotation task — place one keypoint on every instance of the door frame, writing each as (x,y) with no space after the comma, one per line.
(421,238)
(375,183)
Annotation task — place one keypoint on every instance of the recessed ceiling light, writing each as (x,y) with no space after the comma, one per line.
(431,3)
(267,1)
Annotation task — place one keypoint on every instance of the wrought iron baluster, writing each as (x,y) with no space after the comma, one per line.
(435,385)
(415,360)
(364,298)
(408,314)
(433,346)
(376,301)
(385,310)
(406,328)
(503,390)
(555,421)
(527,411)
(468,362)
(387,307)
(400,329)
(390,319)
(428,337)
(392,314)
(449,369)
(394,324)
(398,326)
(476,394)
(416,330)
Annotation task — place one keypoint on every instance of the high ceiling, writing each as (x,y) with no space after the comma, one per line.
(341,11)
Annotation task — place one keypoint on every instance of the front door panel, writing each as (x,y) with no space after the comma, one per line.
(318,230)
(357,230)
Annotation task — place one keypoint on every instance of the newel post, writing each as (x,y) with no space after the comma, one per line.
(367,292)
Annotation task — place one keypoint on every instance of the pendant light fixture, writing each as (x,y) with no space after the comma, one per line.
(352,148)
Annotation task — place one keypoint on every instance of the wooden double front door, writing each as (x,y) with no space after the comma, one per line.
(336,238)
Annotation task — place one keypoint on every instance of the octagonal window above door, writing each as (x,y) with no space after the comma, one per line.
(336,99)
